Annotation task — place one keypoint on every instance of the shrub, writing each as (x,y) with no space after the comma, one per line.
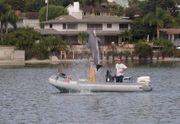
(177,53)
(167,46)
(143,50)
(22,38)
(38,51)
(55,43)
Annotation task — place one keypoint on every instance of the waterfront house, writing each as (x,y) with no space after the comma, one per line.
(172,34)
(108,28)
(27,19)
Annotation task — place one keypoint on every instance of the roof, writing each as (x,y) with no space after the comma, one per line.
(29,15)
(88,19)
(71,33)
(170,30)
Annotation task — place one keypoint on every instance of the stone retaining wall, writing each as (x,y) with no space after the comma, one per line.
(10,56)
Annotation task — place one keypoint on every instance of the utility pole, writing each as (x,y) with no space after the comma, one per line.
(47,3)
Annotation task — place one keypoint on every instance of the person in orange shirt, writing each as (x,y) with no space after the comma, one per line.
(91,72)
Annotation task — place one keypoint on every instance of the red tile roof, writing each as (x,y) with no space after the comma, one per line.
(29,15)
(170,30)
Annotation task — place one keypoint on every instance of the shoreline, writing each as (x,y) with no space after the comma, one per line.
(49,61)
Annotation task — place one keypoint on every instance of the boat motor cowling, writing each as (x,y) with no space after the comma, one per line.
(145,80)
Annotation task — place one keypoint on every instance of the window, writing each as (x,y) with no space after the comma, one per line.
(123,26)
(20,20)
(50,25)
(64,26)
(109,25)
(71,26)
(98,14)
(177,36)
(94,26)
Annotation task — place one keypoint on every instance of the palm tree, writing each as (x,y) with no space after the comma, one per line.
(126,36)
(159,19)
(7,16)
(82,37)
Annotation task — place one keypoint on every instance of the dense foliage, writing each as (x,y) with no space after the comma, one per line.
(34,45)
(34,5)
(167,46)
(7,16)
(38,51)
(143,50)
(22,38)
(160,13)
(177,53)
(54,11)
(82,37)
(55,43)
(150,15)
(147,16)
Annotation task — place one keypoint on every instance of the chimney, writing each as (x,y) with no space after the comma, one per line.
(75,10)
(76,7)
(77,13)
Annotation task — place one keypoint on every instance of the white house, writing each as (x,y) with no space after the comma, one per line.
(108,28)
(171,34)
(28,19)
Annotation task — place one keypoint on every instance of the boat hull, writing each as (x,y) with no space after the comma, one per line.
(66,86)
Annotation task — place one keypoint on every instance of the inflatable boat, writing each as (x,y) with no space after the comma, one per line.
(65,84)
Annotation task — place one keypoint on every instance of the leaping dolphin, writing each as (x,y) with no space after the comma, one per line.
(93,45)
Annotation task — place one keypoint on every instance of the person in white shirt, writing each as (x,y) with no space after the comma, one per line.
(120,68)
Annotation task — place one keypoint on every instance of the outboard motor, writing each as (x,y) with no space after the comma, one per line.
(109,77)
(145,80)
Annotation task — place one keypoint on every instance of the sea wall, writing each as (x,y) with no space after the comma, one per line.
(10,56)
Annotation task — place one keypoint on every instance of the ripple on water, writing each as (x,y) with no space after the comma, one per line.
(26,97)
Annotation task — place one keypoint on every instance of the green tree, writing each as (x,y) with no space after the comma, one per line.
(16,4)
(7,16)
(55,43)
(38,51)
(167,46)
(133,9)
(160,18)
(126,36)
(22,38)
(82,37)
(150,23)
(152,5)
(140,29)
(54,11)
(60,2)
(143,50)
(177,20)
(93,2)
(118,10)
(33,5)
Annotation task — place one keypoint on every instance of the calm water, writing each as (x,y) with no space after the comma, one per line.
(26,97)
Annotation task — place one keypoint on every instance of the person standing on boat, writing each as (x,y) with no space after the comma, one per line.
(120,68)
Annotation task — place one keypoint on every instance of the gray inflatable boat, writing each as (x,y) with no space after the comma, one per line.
(64,84)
